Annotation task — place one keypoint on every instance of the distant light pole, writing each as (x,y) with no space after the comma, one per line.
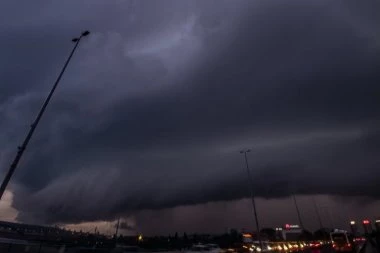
(328,216)
(117,230)
(252,195)
(298,212)
(317,212)
(353,227)
(33,126)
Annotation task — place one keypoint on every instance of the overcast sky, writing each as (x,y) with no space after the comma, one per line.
(159,99)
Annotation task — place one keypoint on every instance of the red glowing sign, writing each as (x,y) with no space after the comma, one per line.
(287,226)
(365,222)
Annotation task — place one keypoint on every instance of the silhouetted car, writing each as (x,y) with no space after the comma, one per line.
(340,241)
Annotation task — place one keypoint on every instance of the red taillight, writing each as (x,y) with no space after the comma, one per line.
(334,245)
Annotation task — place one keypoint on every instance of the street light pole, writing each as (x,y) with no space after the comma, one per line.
(33,126)
(298,212)
(317,212)
(117,230)
(252,196)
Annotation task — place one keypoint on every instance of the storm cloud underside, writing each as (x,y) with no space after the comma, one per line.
(159,100)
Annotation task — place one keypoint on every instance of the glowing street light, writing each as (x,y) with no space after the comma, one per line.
(353,227)
(377,225)
(367,226)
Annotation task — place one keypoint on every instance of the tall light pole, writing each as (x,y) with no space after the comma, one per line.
(327,213)
(250,181)
(33,126)
(298,212)
(117,227)
(317,212)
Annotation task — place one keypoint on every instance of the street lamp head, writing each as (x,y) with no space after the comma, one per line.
(84,34)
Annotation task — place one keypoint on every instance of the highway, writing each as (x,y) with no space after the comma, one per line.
(370,248)
(367,248)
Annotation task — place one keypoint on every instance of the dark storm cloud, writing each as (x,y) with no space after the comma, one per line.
(157,103)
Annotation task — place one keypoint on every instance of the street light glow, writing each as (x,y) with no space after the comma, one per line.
(352,222)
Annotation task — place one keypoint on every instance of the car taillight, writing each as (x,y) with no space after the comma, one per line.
(334,245)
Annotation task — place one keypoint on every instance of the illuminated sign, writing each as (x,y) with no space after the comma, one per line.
(377,221)
(247,235)
(352,222)
(365,222)
(291,226)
